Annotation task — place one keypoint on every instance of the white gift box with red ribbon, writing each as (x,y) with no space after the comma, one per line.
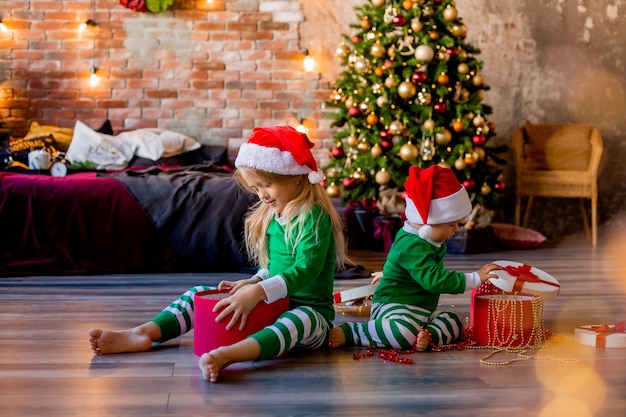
(602,335)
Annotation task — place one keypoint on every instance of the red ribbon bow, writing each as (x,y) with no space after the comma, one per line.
(523,275)
(605,330)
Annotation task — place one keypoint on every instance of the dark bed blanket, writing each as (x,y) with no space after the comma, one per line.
(131,222)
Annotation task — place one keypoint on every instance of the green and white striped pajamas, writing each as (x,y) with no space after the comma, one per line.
(301,327)
(396,326)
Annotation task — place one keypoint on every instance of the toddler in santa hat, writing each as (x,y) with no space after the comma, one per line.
(295,236)
(403,313)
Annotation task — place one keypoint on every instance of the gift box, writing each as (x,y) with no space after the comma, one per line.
(471,240)
(384,232)
(509,321)
(525,287)
(603,335)
(360,224)
(209,334)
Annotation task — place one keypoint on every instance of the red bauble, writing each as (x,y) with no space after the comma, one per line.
(500,185)
(386,144)
(453,51)
(337,152)
(385,134)
(354,111)
(418,77)
(399,20)
(349,182)
(440,108)
(478,140)
(356,39)
(469,184)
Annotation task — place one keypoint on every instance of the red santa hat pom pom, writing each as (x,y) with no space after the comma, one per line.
(280,150)
(434,196)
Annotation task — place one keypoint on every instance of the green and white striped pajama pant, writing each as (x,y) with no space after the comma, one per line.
(301,327)
(397,325)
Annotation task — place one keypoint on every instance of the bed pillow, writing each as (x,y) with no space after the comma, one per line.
(155,144)
(517,237)
(91,149)
(62,135)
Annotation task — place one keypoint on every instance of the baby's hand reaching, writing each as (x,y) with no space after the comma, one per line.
(376,276)
(486,271)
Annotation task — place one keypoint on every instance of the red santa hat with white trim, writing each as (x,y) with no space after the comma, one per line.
(434,196)
(280,150)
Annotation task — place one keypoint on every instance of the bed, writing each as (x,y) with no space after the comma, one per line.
(175,214)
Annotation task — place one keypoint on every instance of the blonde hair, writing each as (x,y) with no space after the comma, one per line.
(259,217)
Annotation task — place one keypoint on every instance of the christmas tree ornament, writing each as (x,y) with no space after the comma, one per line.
(427,149)
(399,20)
(352,140)
(500,185)
(444,164)
(377,50)
(429,124)
(424,97)
(342,51)
(416,25)
(469,184)
(443,137)
(462,68)
(440,107)
(390,82)
(450,13)
(363,146)
(386,144)
(485,189)
(376,150)
(333,191)
(372,119)
(407,5)
(365,106)
(378,3)
(349,183)
(443,79)
(460,164)
(396,128)
(469,159)
(361,65)
(458,30)
(383,177)
(479,153)
(418,77)
(433,35)
(381,101)
(406,90)
(354,111)
(458,125)
(337,152)
(478,120)
(443,56)
(424,53)
(477,80)
(371,36)
(355,39)
(365,23)
(359,176)
(478,140)
(379,71)
(405,46)
(408,152)
(428,10)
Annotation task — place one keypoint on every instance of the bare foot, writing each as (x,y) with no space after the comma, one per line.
(212,362)
(105,342)
(336,337)
(423,340)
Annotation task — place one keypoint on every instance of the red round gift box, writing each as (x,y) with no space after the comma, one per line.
(209,334)
(513,324)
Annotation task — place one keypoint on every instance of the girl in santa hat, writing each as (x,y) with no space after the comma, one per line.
(296,237)
(403,313)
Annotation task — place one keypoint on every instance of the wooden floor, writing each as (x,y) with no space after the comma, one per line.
(47,368)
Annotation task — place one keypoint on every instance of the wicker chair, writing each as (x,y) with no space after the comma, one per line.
(557,160)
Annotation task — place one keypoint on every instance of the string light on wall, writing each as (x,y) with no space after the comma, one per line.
(89,23)
(94,79)
(308,62)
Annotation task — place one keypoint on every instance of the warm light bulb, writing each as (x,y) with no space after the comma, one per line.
(300,128)
(94,80)
(3,27)
(89,23)
(308,62)
(82,27)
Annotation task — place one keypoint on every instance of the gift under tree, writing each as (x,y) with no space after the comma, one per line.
(411,93)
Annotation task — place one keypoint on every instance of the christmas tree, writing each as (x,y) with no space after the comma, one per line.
(411,93)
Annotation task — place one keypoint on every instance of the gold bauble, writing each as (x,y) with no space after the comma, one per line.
(478,120)
(361,65)
(458,30)
(363,146)
(433,35)
(429,124)
(377,50)
(462,68)
(479,153)
(469,159)
(444,137)
(378,3)
(408,152)
(480,95)
(416,25)
(450,13)
(478,80)
(359,175)
(460,164)
(383,177)
(444,164)
(396,128)
(365,23)
(406,90)
(342,51)
(333,191)
(376,151)
(485,189)
(352,140)
(390,82)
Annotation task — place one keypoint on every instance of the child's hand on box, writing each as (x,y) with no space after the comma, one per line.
(486,271)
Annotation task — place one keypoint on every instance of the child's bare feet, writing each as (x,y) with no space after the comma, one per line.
(336,337)
(137,339)
(212,362)
(423,340)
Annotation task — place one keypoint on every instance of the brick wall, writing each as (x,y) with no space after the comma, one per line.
(212,69)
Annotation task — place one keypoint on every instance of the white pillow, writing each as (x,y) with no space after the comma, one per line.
(104,151)
(158,143)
